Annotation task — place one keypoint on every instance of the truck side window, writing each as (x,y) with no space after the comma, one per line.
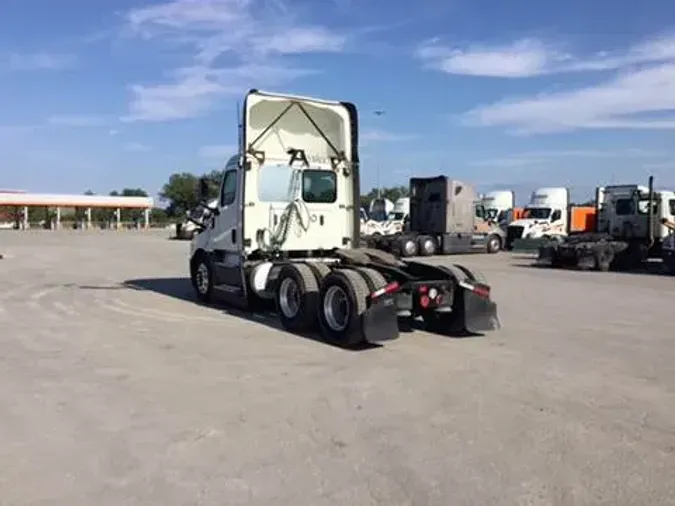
(671,204)
(556,215)
(229,189)
(480,212)
(625,207)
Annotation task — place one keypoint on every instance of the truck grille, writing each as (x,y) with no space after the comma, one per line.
(513,233)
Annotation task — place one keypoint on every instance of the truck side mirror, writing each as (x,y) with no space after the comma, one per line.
(202,190)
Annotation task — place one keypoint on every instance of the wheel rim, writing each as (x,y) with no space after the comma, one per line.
(202,278)
(429,246)
(336,308)
(409,247)
(289,298)
(494,245)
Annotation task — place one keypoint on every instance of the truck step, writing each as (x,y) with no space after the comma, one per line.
(232,295)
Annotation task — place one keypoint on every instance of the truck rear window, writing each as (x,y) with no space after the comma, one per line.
(278,183)
(319,186)
(625,207)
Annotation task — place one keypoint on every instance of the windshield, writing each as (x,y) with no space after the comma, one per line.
(491,213)
(378,211)
(396,216)
(283,183)
(538,213)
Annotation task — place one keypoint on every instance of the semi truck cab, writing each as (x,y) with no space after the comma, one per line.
(499,206)
(545,215)
(286,229)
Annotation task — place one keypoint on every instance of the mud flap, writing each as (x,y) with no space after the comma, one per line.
(480,313)
(546,255)
(380,321)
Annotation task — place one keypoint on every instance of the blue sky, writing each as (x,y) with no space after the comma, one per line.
(101,95)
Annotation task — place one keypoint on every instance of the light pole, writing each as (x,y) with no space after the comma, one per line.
(378,113)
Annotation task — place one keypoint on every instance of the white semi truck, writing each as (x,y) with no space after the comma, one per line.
(549,215)
(286,229)
(499,205)
(380,208)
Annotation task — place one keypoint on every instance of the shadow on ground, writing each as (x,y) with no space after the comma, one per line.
(262,312)
(650,269)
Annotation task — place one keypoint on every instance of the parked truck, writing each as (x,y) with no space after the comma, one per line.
(446,217)
(499,206)
(286,229)
(669,245)
(380,208)
(549,216)
(633,225)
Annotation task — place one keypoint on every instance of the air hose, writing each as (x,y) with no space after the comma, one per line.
(293,211)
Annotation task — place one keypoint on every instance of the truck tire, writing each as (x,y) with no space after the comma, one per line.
(373,279)
(407,246)
(342,301)
(603,260)
(201,275)
(427,245)
(494,244)
(296,297)
(320,270)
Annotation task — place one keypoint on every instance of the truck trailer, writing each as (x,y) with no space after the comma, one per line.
(286,229)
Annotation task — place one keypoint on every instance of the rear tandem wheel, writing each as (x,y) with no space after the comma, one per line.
(296,297)
(342,302)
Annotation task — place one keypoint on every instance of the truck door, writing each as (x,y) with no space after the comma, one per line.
(226,232)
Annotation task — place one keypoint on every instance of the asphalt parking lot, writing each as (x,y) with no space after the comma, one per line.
(117,388)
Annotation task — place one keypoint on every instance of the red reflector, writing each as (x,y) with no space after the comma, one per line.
(390,288)
(481,291)
(424,301)
(423,289)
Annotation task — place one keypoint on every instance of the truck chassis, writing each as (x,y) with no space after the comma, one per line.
(358,295)
(589,252)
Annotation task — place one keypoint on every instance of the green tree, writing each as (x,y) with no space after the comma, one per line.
(181,191)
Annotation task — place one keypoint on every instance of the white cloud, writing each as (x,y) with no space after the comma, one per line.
(523,58)
(628,101)
(194,90)
(382,136)
(221,152)
(542,158)
(78,120)
(13,130)
(251,35)
(36,61)
(533,57)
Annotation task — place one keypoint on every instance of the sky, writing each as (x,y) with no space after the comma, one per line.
(101,95)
